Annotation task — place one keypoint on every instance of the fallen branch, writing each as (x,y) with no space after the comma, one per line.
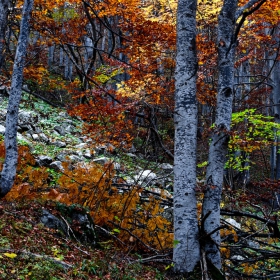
(33,255)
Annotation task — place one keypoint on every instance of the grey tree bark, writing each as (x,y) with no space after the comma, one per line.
(10,164)
(4,5)
(274,64)
(186,232)
(219,141)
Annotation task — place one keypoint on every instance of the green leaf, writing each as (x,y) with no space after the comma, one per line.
(175,243)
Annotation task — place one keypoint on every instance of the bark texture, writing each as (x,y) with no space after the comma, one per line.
(187,251)
(10,164)
(219,141)
(4,5)
(275,76)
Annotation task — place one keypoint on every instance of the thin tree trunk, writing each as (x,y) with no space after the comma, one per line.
(187,250)
(9,169)
(4,5)
(275,75)
(219,141)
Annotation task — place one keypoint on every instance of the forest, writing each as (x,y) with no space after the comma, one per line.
(139,139)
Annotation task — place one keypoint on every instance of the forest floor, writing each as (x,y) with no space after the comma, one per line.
(29,250)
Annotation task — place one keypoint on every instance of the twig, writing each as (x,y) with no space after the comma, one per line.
(110,234)
(85,252)
(69,228)
(154,258)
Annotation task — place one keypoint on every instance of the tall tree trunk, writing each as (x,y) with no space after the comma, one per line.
(275,75)
(10,164)
(187,250)
(219,141)
(4,4)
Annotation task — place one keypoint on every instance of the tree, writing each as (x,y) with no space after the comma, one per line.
(186,254)
(226,42)
(4,5)
(11,156)
(186,232)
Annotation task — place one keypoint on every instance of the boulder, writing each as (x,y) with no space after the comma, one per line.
(51,221)
(27,119)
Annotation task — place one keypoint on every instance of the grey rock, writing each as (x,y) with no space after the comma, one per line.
(75,158)
(27,118)
(69,129)
(253,244)
(51,221)
(3,114)
(166,167)
(44,160)
(81,146)
(2,129)
(144,176)
(67,122)
(168,214)
(4,91)
(237,258)
(78,153)
(57,165)
(63,115)
(100,150)
(131,155)
(233,223)
(117,166)
(102,160)
(59,144)
(38,130)
(23,139)
(44,138)
(35,137)
(59,129)
(87,154)
(132,149)
(61,157)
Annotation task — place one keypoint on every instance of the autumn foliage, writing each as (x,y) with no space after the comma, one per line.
(137,223)
(112,63)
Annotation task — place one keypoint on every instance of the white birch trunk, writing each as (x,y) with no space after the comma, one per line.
(219,141)
(187,251)
(9,169)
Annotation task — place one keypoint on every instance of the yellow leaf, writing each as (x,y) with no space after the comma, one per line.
(10,255)
(244,51)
